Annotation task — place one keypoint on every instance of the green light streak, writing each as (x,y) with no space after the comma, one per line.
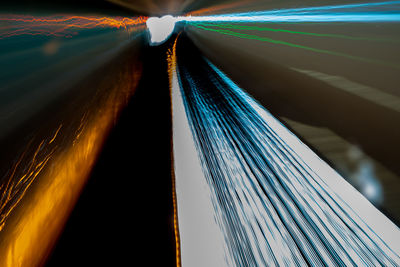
(323,51)
(256,28)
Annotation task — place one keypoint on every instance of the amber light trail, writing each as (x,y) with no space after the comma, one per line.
(37,217)
(171,59)
(63,25)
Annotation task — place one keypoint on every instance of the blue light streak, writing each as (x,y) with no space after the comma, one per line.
(276,201)
(365,12)
(388,5)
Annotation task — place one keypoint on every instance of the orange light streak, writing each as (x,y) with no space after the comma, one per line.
(14,189)
(55,134)
(42,194)
(62,25)
(171,59)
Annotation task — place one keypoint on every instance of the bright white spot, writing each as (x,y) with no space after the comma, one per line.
(370,191)
(160,28)
(371,188)
(364,177)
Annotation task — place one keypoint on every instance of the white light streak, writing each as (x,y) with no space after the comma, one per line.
(276,202)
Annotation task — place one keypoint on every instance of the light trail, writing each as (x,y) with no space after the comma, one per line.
(365,12)
(275,201)
(279,42)
(62,25)
(171,59)
(30,228)
(268,29)
(200,239)
(14,189)
(41,188)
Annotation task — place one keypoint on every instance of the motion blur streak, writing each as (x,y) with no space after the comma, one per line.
(14,189)
(39,198)
(201,241)
(62,25)
(171,58)
(318,50)
(366,12)
(222,7)
(276,202)
(256,28)
(59,188)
